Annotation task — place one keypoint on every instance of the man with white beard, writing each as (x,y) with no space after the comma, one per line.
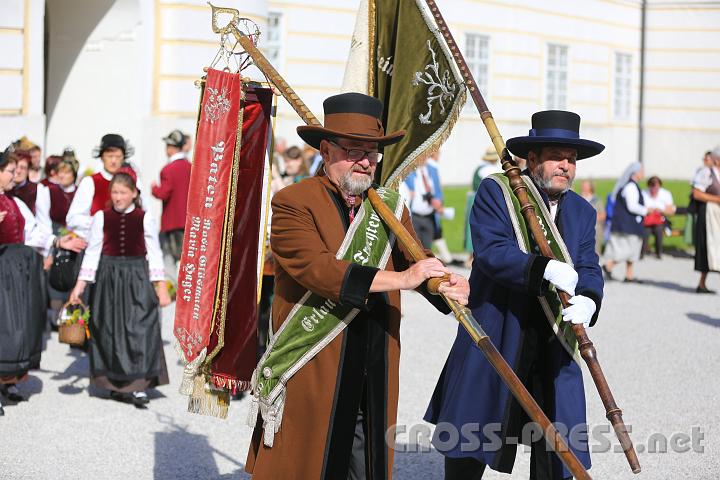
(330,373)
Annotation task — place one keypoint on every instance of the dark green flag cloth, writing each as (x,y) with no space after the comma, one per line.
(412,72)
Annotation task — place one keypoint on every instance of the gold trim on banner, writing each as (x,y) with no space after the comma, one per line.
(372,55)
(226,249)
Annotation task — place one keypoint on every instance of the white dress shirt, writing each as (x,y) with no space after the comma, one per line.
(95,245)
(418,204)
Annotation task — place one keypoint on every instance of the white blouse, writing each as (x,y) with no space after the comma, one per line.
(703,178)
(95,244)
(42,206)
(660,202)
(37,235)
(78,218)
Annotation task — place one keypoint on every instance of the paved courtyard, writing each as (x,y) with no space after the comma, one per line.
(657,343)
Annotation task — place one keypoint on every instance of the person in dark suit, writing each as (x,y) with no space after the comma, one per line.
(513,295)
(173,191)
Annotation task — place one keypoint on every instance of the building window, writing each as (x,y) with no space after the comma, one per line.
(623,85)
(477,55)
(556,85)
(273,39)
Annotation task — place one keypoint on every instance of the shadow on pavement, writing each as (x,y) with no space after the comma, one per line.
(182,454)
(76,372)
(30,386)
(706,319)
(668,285)
(421,464)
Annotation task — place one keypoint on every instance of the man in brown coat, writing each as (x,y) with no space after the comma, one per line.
(340,405)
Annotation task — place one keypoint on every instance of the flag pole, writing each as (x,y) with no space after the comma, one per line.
(463,315)
(512,171)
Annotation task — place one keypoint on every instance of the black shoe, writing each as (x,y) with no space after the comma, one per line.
(2,411)
(139,399)
(632,280)
(704,290)
(118,396)
(607,273)
(11,393)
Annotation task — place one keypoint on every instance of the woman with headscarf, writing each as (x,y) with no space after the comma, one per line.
(626,231)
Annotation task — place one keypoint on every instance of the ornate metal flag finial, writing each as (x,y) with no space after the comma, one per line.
(220,11)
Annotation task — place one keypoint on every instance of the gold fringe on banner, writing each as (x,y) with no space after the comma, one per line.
(208,400)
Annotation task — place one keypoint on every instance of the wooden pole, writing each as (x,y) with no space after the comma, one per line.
(586,347)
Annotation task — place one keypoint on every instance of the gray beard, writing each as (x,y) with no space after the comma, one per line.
(354,186)
(546,184)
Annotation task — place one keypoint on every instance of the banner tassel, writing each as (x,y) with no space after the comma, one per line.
(206,400)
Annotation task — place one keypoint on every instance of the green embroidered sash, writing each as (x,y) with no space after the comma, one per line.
(315,321)
(550,301)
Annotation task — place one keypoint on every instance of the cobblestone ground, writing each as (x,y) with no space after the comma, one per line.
(657,343)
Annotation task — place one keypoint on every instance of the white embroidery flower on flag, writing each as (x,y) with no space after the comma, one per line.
(441,87)
(217,105)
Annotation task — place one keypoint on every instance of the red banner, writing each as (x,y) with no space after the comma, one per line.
(207,202)
(234,336)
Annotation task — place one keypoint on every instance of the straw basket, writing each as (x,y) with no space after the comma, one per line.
(71,333)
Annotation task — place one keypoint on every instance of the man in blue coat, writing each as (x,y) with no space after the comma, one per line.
(513,296)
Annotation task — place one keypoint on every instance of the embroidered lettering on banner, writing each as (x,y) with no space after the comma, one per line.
(441,88)
(363,256)
(385,65)
(217,105)
(309,321)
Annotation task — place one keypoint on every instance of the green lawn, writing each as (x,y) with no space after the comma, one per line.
(453,230)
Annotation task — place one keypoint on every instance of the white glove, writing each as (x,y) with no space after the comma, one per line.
(562,275)
(581,310)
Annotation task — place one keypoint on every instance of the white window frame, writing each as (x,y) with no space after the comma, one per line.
(556,76)
(477,57)
(622,86)
(272,46)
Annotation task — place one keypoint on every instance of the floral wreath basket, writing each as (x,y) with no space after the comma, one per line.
(73,324)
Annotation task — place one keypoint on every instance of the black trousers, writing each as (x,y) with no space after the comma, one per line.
(467,468)
(657,231)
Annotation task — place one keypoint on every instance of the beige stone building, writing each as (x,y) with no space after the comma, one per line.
(72,70)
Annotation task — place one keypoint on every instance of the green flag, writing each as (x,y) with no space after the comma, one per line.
(399,56)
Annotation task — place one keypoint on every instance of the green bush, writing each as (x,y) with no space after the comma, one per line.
(455,196)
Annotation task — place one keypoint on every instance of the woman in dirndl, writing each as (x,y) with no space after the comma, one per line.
(706,193)
(122,262)
(23,242)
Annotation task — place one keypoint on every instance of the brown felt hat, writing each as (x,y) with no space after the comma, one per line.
(350,115)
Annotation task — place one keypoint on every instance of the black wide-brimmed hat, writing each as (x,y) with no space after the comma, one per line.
(350,115)
(556,128)
(113,140)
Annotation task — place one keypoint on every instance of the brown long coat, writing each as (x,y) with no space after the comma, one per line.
(308,226)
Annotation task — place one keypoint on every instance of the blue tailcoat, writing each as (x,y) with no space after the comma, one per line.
(504,285)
